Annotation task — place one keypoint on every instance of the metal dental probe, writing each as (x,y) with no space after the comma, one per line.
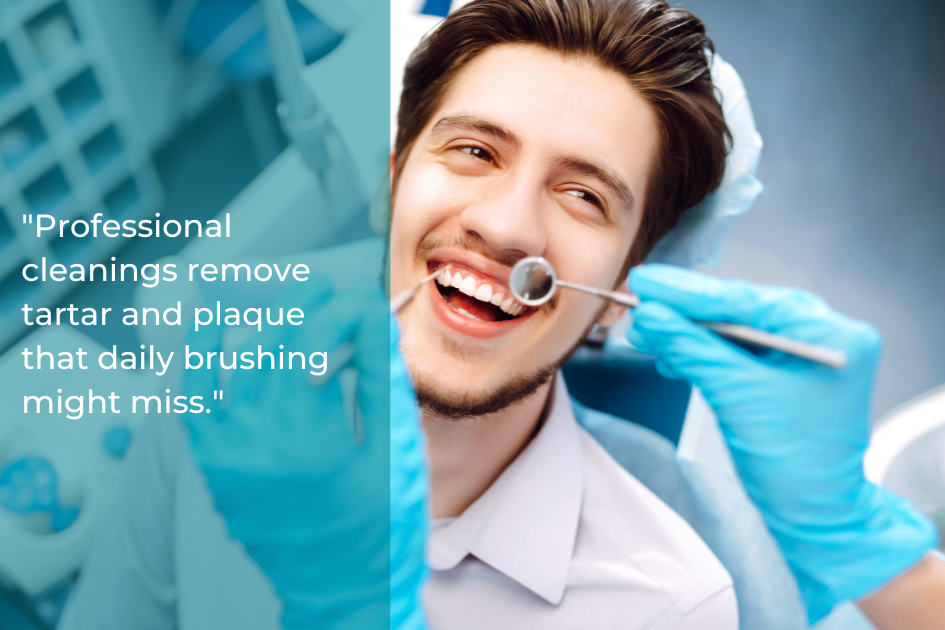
(533,282)
(403,298)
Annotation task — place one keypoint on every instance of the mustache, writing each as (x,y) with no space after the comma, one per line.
(430,246)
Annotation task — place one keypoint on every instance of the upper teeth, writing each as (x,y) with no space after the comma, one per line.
(483,293)
(480,290)
(468,286)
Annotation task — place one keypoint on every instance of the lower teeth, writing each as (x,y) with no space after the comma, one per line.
(463,312)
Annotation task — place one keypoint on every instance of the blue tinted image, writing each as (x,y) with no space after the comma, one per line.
(439,314)
(195,331)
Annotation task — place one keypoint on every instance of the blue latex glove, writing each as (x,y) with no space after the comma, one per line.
(797,430)
(311,506)
(409,486)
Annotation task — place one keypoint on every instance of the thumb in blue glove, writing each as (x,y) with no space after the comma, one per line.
(797,430)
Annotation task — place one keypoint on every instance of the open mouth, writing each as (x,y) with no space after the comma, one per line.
(478,298)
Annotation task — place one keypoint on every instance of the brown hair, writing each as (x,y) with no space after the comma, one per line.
(663,52)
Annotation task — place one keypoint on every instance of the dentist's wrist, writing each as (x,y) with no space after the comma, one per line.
(912,600)
(848,557)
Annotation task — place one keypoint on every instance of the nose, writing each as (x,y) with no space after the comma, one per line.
(508,216)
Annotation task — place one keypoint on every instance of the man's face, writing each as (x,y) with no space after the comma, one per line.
(530,154)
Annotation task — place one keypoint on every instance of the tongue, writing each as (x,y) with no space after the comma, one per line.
(474,307)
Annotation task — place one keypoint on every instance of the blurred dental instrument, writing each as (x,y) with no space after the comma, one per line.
(304,120)
(403,298)
(533,282)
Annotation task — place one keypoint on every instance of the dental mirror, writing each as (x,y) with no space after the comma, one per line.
(533,282)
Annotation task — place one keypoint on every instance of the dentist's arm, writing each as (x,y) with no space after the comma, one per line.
(797,432)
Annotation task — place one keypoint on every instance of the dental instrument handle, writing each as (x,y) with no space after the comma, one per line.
(819,354)
(627,299)
(403,298)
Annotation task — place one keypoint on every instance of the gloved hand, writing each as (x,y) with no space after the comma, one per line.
(409,487)
(797,430)
(315,509)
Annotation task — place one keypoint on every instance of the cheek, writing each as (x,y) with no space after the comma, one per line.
(425,199)
(589,256)
(423,206)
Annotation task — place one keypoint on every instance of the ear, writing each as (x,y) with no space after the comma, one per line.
(614,311)
(393,158)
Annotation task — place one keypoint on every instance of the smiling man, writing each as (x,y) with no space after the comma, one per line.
(580,131)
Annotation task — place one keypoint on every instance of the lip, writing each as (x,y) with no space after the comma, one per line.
(470,327)
(488,270)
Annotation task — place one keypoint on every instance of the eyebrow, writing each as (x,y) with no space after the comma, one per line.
(617,186)
(465,122)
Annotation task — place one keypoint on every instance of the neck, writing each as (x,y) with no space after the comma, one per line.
(466,456)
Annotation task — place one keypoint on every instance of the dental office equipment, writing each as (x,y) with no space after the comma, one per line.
(907,453)
(30,486)
(533,282)
(403,298)
(58,476)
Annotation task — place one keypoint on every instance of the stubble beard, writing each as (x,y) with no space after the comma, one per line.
(457,407)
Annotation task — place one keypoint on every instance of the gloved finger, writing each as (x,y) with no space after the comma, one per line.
(329,321)
(407,441)
(201,381)
(248,385)
(203,427)
(337,323)
(790,312)
(688,350)
(373,343)
(706,298)
(323,331)
(308,296)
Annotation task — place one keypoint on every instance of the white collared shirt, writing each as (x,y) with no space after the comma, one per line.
(566,538)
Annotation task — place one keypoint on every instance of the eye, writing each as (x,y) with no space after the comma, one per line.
(478,152)
(586,196)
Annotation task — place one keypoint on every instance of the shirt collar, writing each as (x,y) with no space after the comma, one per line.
(525,524)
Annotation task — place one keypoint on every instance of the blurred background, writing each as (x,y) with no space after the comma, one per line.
(131,107)
(137,107)
(848,95)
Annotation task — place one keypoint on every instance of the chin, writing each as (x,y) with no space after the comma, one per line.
(456,376)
